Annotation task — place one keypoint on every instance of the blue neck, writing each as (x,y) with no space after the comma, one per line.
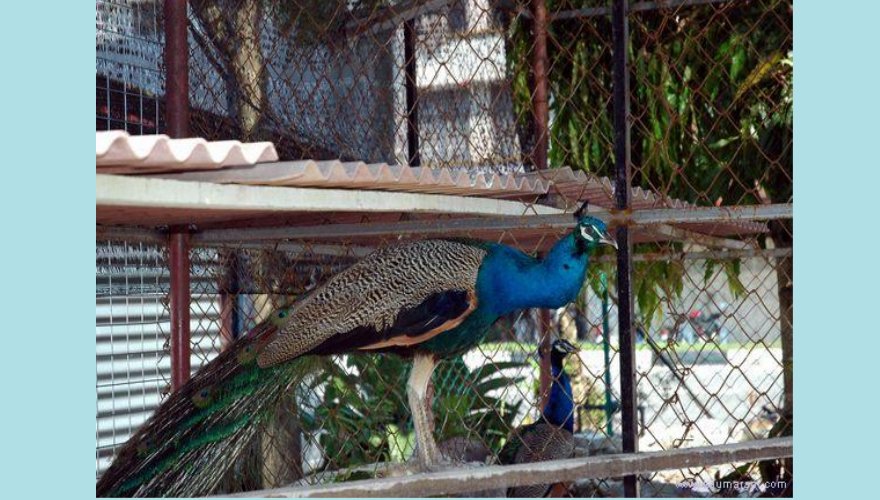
(559,410)
(510,280)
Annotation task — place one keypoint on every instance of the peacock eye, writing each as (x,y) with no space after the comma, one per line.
(282,314)
(203,398)
(247,355)
(585,233)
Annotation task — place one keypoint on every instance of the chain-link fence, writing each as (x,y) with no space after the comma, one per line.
(463,84)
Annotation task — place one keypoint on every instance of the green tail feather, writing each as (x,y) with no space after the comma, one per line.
(187,446)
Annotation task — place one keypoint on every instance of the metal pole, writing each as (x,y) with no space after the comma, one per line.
(176,69)
(177,126)
(606,352)
(623,199)
(544,373)
(651,217)
(541,115)
(443,483)
(540,102)
(412,93)
(229,288)
(178,250)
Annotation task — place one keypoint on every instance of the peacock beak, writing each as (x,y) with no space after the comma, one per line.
(608,239)
(566,346)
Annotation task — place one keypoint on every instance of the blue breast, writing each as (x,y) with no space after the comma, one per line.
(559,409)
(508,281)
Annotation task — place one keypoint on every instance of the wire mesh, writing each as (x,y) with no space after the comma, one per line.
(129,75)
(132,320)
(710,113)
(329,80)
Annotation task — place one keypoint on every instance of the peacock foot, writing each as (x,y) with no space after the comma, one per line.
(430,461)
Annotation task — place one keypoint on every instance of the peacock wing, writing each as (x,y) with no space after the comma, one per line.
(400,295)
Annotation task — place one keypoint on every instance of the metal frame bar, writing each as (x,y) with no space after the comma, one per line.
(770,253)
(176,54)
(589,12)
(395,15)
(540,96)
(357,251)
(412,93)
(673,233)
(392,16)
(623,201)
(128,233)
(703,214)
(179,266)
(498,223)
(468,479)
(539,155)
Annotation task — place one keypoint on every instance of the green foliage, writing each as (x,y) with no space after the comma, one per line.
(711,101)
(465,408)
(363,416)
(357,405)
(657,279)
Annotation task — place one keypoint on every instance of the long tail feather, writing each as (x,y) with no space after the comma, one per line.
(187,446)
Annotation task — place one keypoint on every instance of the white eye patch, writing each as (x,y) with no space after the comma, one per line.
(585,232)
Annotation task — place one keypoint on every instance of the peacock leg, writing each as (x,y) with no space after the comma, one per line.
(423,418)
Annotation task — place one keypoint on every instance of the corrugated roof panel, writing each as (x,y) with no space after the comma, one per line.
(379,176)
(192,161)
(118,152)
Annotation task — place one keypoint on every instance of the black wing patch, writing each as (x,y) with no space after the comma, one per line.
(435,311)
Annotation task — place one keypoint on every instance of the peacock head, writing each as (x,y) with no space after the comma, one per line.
(592,231)
(560,349)
(564,347)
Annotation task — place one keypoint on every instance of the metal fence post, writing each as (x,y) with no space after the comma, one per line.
(629,416)
(229,287)
(176,69)
(412,93)
(545,377)
(178,255)
(177,124)
(541,115)
(540,102)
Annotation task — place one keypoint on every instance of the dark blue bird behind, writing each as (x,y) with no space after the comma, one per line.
(550,438)
(559,410)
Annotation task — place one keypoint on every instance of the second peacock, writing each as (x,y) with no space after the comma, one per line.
(428,300)
(550,437)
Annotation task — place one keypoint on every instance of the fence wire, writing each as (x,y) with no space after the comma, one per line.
(452,84)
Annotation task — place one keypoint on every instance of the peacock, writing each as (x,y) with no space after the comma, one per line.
(426,300)
(550,438)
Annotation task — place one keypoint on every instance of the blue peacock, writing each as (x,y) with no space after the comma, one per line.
(550,437)
(427,300)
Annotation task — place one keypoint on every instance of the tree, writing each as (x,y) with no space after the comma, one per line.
(230,33)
